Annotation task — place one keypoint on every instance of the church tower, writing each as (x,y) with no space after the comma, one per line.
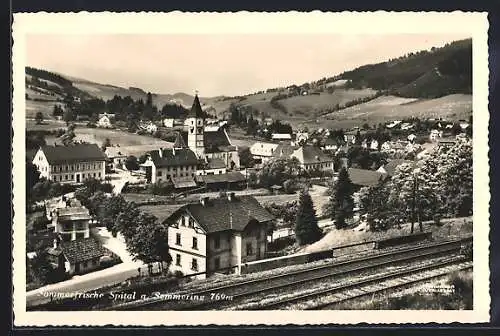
(195,127)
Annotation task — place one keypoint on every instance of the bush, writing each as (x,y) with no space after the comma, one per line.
(281,243)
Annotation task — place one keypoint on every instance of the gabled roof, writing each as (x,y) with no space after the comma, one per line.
(174,157)
(221,178)
(196,110)
(82,250)
(183,182)
(73,153)
(364,177)
(284,150)
(137,151)
(311,154)
(179,142)
(220,214)
(73,213)
(263,148)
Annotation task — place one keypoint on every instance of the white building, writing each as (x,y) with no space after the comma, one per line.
(105,120)
(70,164)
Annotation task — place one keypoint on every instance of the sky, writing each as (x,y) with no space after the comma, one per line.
(217,64)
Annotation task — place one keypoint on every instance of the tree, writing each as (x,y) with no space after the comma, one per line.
(277,171)
(126,221)
(106,144)
(149,242)
(131,163)
(32,177)
(39,118)
(41,266)
(68,137)
(109,211)
(306,223)
(69,116)
(340,203)
(246,157)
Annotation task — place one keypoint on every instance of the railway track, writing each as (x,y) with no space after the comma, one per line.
(330,297)
(229,295)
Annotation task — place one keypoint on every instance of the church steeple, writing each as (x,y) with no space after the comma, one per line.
(196,110)
(196,123)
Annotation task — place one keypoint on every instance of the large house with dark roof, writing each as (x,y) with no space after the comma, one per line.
(70,164)
(312,158)
(215,235)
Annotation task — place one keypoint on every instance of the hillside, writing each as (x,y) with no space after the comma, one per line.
(363,93)
(425,74)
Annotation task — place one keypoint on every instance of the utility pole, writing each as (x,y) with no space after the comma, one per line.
(413,203)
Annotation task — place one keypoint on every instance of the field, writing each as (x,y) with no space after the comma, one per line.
(457,106)
(303,109)
(97,135)
(32,107)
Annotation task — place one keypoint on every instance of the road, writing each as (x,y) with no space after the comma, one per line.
(85,283)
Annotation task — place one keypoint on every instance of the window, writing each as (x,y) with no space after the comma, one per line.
(66,169)
(99,174)
(217,263)
(159,173)
(53,178)
(94,174)
(183,221)
(83,175)
(191,222)
(249,249)
(178,260)
(217,242)
(178,239)
(194,265)
(195,243)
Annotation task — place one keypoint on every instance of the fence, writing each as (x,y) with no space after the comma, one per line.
(270,263)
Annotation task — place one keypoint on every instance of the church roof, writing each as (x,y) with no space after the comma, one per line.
(179,141)
(196,111)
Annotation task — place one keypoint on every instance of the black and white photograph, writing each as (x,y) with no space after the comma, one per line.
(188,163)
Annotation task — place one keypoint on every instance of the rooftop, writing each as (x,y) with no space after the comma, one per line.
(311,154)
(173,157)
(73,153)
(228,177)
(82,250)
(365,178)
(196,110)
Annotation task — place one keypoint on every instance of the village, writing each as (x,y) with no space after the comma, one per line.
(221,207)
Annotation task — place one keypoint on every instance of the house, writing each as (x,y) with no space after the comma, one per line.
(105,120)
(212,167)
(164,164)
(386,147)
(331,144)
(391,166)
(281,136)
(74,250)
(215,235)
(446,142)
(70,164)
(374,145)
(435,135)
(77,256)
(365,178)
(393,124)
(312,158)
(350,138)
(233,180)
(406,126)
(148,126)
(284,151)
(118,154)
(168,122)
(411,138)
(262,151)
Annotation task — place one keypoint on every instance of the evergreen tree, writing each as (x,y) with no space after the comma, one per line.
(340,203)
(306,223)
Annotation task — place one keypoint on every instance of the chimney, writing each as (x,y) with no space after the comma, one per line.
(230,196)
(204,201)
(160,152)
(55,243)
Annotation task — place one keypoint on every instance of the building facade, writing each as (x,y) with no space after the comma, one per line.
(216,235)
(70,164)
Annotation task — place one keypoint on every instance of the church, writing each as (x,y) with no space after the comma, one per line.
(196,151)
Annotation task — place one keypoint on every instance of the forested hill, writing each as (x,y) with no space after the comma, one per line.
(425,74)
